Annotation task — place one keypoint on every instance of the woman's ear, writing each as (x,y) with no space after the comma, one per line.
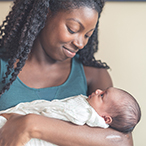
(108,119)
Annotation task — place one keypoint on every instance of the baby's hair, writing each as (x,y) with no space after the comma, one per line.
(125,114)
(24,22)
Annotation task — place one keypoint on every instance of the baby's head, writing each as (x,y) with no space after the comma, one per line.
(118,108)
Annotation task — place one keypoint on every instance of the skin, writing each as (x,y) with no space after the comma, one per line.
(102,102)
(50,61)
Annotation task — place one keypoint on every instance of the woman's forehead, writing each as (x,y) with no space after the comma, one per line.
(83,14)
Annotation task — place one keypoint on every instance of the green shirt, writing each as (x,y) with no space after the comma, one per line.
(75,84)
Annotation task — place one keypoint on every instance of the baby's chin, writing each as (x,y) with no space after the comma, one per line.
(88,98)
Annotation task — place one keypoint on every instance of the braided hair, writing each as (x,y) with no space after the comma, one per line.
(24,22)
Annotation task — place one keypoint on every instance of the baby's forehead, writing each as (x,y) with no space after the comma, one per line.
(121,96)
(115,94)
(114,90)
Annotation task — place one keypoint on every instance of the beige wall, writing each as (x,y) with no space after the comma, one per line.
(122,44)
(4,9)
(122,37)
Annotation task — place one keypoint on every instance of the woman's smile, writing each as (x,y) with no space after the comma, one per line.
(65,33)
(68,52)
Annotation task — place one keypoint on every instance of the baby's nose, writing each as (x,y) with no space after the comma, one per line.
(98,91)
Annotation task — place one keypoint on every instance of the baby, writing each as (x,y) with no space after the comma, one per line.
(113,107)
(119,109)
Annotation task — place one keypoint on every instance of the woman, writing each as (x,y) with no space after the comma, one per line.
(48,48)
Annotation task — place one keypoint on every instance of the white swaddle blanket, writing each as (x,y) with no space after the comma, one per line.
(73,109)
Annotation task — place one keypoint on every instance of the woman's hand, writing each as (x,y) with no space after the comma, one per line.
(16,130)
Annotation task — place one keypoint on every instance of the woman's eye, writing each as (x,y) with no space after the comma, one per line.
(86,36)
(72,32)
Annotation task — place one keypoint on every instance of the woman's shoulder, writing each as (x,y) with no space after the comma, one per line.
(97,78)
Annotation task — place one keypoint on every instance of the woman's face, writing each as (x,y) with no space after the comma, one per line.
(67,32)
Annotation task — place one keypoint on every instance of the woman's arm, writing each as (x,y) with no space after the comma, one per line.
(67,134)
(97,79)
(58,132)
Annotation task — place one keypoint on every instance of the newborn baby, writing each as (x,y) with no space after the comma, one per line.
(100,109)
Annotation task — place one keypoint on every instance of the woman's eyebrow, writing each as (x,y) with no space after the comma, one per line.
(76,21)
(79,23)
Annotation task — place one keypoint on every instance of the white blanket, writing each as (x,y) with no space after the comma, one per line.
(73,109)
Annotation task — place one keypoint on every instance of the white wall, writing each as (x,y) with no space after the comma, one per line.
(122,44)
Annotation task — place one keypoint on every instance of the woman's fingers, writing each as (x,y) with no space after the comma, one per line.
(15,132)
(7,115)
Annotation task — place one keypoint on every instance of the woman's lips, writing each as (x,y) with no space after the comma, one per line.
(68,53)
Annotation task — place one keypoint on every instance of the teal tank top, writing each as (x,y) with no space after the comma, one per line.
(75,84)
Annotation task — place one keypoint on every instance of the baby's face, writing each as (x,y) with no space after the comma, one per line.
(101,101)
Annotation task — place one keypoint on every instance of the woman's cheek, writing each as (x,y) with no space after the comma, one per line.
(64,36)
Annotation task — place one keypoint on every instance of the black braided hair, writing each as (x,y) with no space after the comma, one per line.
(26,20)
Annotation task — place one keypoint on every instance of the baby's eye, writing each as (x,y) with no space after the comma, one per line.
(102,95)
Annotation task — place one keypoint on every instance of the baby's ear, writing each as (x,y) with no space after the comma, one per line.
(107,119)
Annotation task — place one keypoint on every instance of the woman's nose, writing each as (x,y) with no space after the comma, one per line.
(79,42)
